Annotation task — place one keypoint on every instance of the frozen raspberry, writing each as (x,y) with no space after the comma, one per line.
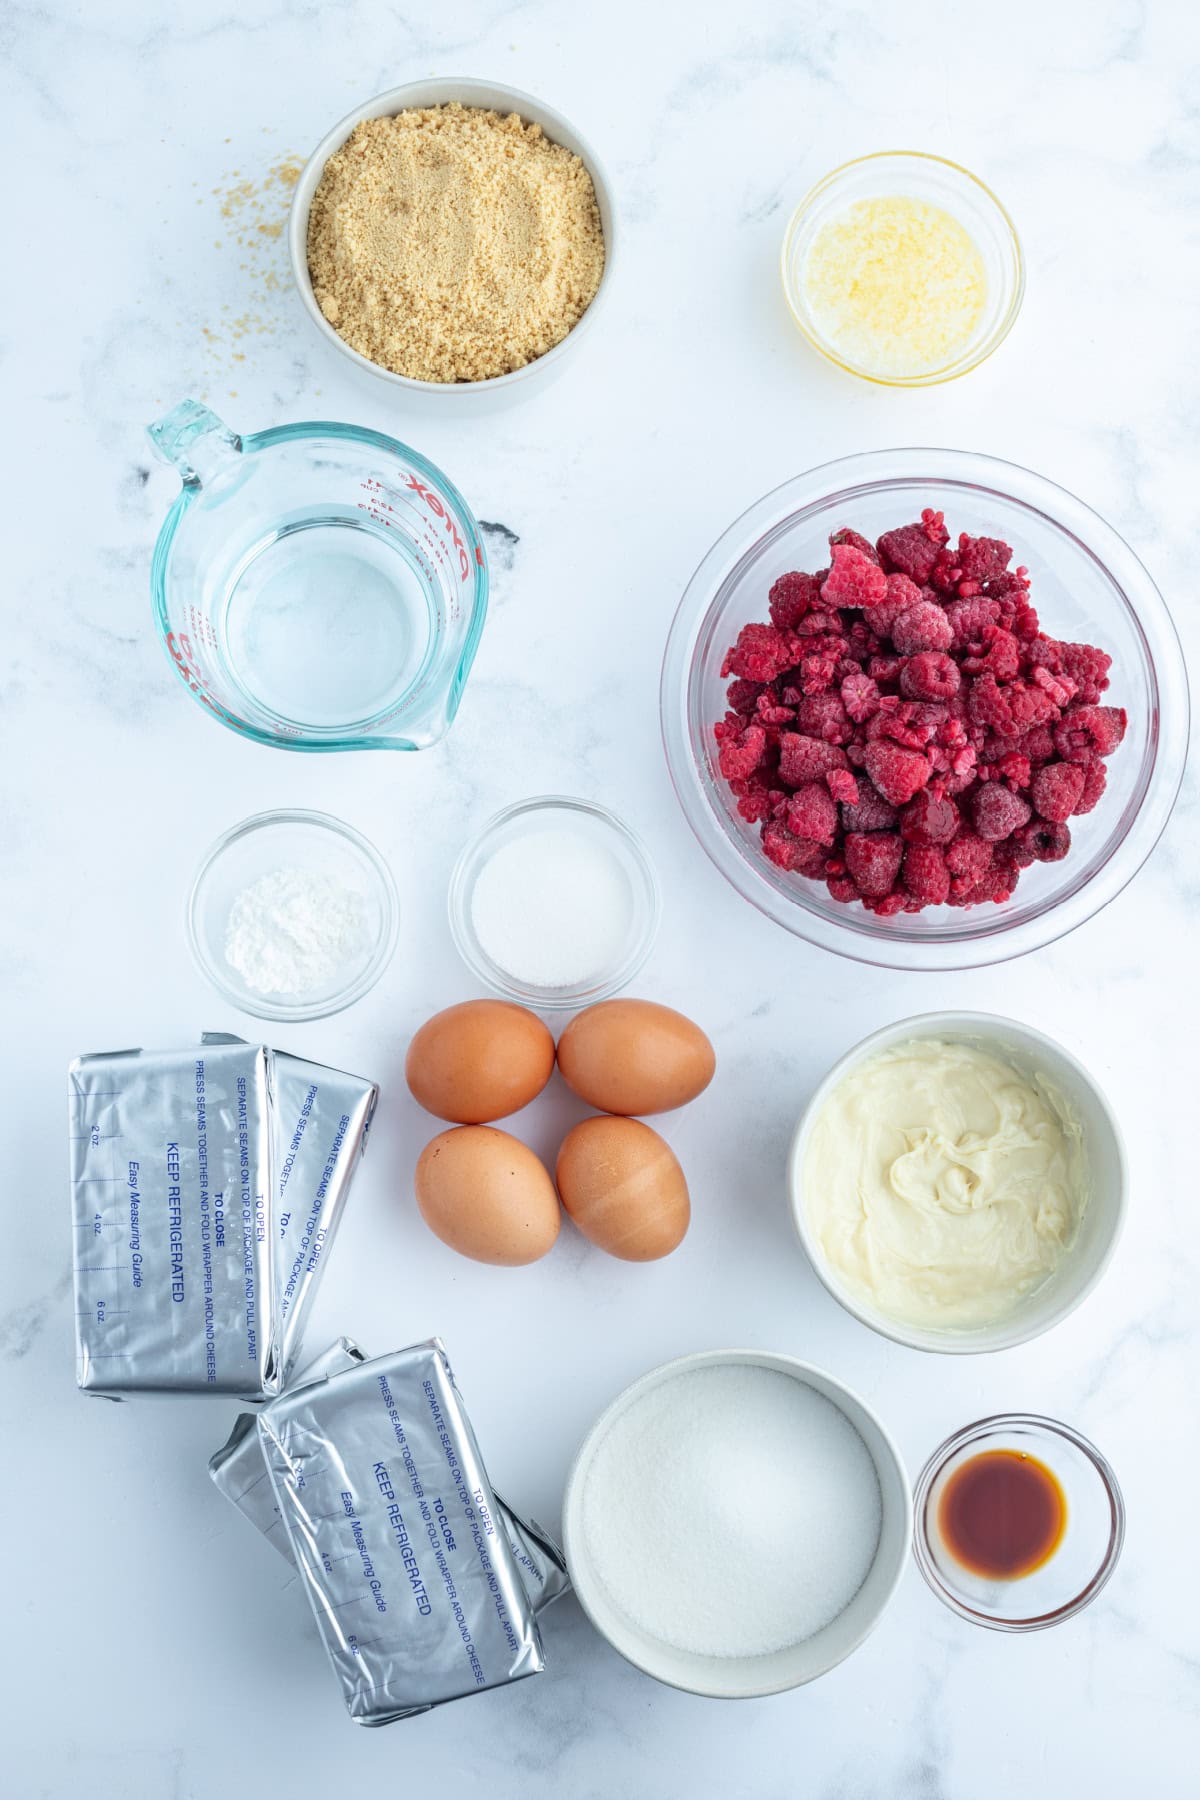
(791,597)
(1095,780)
(902,722)
(929,818)
(982,558)
(1001,658)
(812,813)
(822,622)
(786,851)
(1056,790)
(969,619)
(761,653)
(843,786)
(1038,744)
(1046,839)
(873,860)
(823,716)
(913,549)
(744,696)
(1013,767)
(925,874)
(997,884)
(856,541)
(860,696)
(997,811)
(870,812)
(853,579)
(896,772)
(901,595)
(769,714)
(929,675)
(968,858)
(1011,710)
(889,905)
(922,627)
(885,669)
(1087,732)
(842,889)
(754,798)
(739,756)
(1060,688)
(803,759)
(1083,664)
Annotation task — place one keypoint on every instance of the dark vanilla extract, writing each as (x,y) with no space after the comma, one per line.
(1002,1514)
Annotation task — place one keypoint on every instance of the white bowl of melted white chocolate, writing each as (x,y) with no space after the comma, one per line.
(958,1181)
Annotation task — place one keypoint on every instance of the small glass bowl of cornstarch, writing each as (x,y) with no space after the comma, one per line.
(903,268)
(293,915)
(555,903)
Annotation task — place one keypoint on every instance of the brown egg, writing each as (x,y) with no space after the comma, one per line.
(623,1187)
(479,1061)
(487,1196)
(632,1056)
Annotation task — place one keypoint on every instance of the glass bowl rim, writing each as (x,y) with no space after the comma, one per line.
(862,940)
(936,377)
(389,904)
(558,999)
(973,1433)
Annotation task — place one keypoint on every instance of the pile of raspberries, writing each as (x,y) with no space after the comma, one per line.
(905,732)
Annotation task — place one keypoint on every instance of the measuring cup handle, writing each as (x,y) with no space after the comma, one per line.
(195,441)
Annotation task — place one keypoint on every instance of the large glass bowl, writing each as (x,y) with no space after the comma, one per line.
(1087,585)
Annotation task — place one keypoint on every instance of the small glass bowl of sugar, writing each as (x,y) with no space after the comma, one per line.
(555,903)
(293,915)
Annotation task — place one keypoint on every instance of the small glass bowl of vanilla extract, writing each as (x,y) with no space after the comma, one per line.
(1018,1522)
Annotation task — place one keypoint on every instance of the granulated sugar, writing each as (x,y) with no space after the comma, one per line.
(553,908)
(732,1511)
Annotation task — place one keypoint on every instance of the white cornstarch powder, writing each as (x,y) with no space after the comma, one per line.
(553,908)
(732,1511)
(294,930)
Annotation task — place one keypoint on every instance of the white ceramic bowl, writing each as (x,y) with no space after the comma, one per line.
(735,1677)
(440,92)
(1080,1270)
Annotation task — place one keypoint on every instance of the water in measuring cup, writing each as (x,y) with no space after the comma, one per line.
(326,622)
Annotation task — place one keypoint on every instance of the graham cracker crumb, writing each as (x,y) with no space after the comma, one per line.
(452,244)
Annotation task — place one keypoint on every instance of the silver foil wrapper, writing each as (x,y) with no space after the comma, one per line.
(322,1120)
(393,1526)
(171,1177)
(207,1184)
(240,1472)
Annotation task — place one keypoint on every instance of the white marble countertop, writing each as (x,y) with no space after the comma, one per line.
(153,1650)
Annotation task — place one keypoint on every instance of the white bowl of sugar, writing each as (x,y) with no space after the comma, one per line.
(736,1523)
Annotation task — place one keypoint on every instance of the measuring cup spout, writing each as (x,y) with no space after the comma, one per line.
(193,439)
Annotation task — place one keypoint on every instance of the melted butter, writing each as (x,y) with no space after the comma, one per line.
(943,1184)
(896,286)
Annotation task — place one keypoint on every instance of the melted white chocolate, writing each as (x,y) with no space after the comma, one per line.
(942,1184)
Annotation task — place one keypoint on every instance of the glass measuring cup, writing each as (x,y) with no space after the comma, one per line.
(318,586)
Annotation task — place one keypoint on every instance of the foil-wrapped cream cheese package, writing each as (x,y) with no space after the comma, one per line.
(240,1473)
(207,1184)
(323,1117)
(394,1527)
